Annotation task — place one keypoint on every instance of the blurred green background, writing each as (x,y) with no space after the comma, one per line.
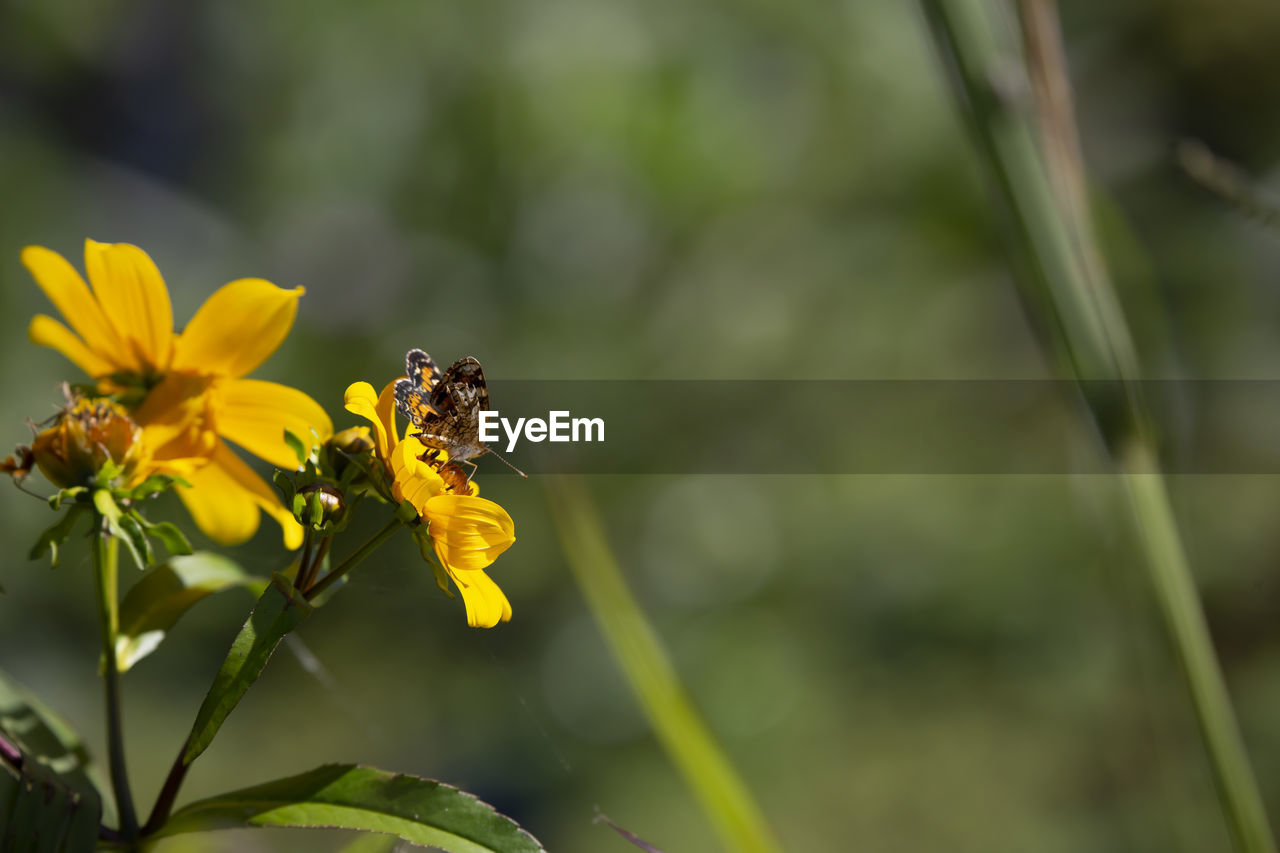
(712,189)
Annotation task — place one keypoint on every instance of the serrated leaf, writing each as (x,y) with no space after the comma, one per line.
(52,801)
(420,811)
(55,535)
(280,609)
(155,604)
(42,814)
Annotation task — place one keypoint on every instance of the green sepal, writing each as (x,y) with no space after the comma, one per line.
(154,485)
(107,474)
(55,535)
(299,506)
(299,448)
(428,552)
(407,512)
(155,604)
(284,483)
(420,811)
(169,534)
(279,610)
(58,498)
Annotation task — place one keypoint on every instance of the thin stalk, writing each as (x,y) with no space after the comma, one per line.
(1043,190)
(168,793)
(106,551)
(640,655)
(351,562)
(1180,606)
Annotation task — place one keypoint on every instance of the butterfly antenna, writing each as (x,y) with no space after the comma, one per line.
(508,464)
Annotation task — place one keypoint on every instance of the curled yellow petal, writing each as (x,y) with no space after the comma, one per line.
(469,533)
(237,328)
(412,479)
(134,300)
(486,603)
(73,299)
(386,410)
(225,497)
(361,400)
(254,414)
(48,332)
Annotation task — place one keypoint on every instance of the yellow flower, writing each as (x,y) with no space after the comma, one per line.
(187,391)
(467,532)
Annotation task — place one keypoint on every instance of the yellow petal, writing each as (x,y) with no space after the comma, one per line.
(225,498)
(179,417)
(237,328)
(386,410)
(486,603)
(135,301)
(468,532)
(360,399)
(413,480)
(46,331)
(254,414)
(73,299)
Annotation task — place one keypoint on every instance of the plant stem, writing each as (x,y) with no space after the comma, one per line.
(1045,195)
(351,562)
(1180,606)
(106,550)
(168,793)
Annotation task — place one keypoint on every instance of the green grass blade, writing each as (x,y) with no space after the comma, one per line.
(645,664)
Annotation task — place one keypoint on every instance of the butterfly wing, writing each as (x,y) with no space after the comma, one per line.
(461,391)
(413,404)
(421,369)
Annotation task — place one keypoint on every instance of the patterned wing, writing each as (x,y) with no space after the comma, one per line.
(421,369)
(462,390)
(412,404)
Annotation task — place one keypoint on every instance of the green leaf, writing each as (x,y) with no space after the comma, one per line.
(371,842)
(298,447)
(40,813)
(280,609)
(169,534)
(48,799)
(156,603)
(420,811)
(56,534)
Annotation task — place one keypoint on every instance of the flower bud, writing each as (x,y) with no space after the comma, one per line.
(330,502)
(86,436)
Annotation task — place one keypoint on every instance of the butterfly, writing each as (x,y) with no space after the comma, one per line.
(446,407)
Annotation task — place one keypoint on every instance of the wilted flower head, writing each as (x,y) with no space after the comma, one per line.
(87,436)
